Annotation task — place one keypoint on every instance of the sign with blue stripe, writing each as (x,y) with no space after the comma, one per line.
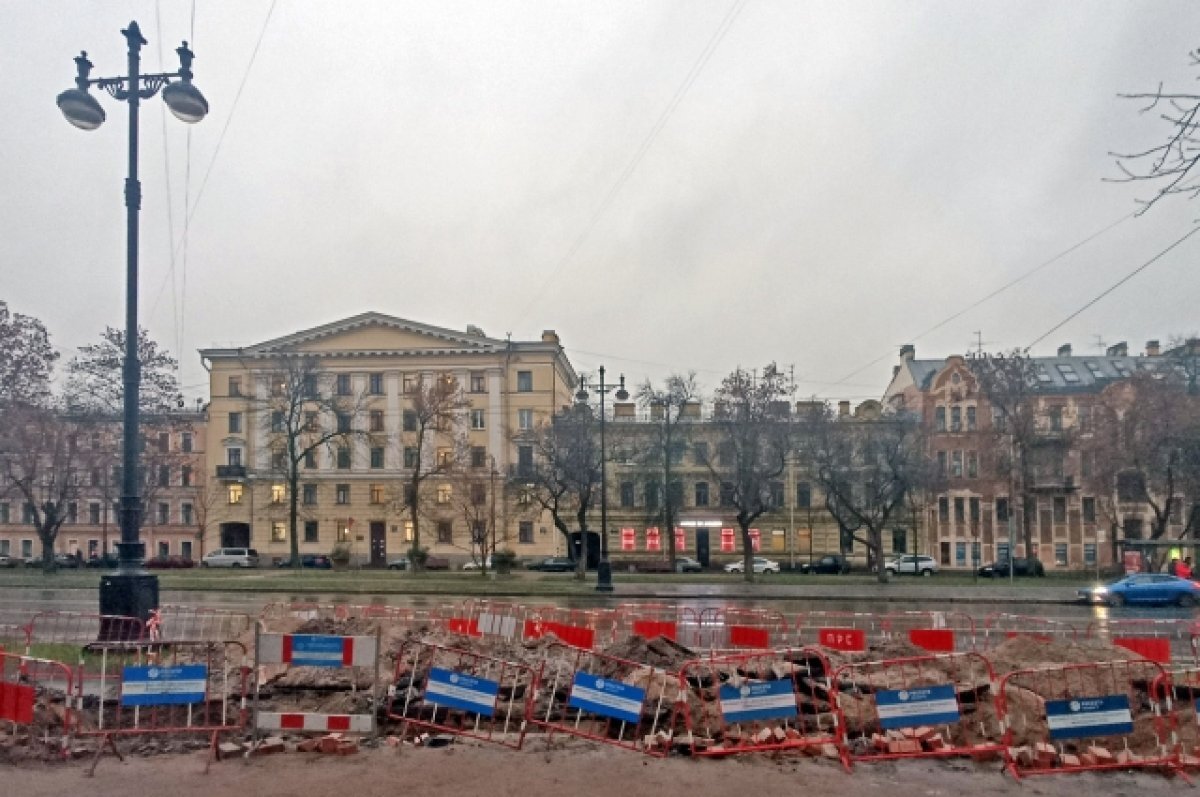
(456,690)
(916,706)
(758,700)
(607,697)
(310,650)
(164,686)
(1079,717)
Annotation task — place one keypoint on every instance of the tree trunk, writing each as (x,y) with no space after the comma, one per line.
(293,514)
(747,553)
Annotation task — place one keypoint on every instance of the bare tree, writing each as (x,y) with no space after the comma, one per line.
(431,444)
(668,440)
(754,439)
(475,496)
(305,411)
(95,382)
(869,472)
(26,359)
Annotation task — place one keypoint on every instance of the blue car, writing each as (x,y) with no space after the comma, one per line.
(1145,588)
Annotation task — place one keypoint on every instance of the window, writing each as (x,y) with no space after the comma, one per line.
(235,493)
(999,420)
(971,422)
(72,513)
(26,548)
(1089,554)
(1056,419)
(93,513)
(944,509)
(343,458)
(408,531)
(1083,416)
(409,421)
(163,513)
(652,495)
(1060,510)
(309,386)
(478,494)
(445,532)
(956,464)
(524,419)
(956,419)
(478,382)
(1001,510)
(278,493)
(311,531)
(524,381)
(775,490)
(960,510)
(701,493)
(235,423)
(525,532)
(626,495)
(803,495)
(277,419)
(308,494)
(972,465)
(1087,464)
(1002,551)
(1060,554)
(944,551)
(899,541)
(410,457)
(1068,374)
(524,460)
(164,442)
(375,384)
(478,457)
(342,494)
(375,421)
(377,457)
(343,530)
(235,386)
(479,419)
(939,419)
(343,384)
(444,493)
(960,554)
(310,459)
(941,460)
(27,514)
(727,494)
(343,422)
(164,475)
(675,493)
(279,531)
(377,493)
(279,459)
(185,476)
(445,457)
(973,506)
(1089,510)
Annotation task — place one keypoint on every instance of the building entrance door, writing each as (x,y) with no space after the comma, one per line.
(378,543)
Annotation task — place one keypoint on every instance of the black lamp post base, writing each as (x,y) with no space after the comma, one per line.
(604,576)
(127,595)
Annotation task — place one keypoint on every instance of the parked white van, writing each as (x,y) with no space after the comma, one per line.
(231,557)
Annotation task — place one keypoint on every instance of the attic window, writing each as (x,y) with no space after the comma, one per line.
(1068,373)
(1042,376)
(1122,369)
(1094,367)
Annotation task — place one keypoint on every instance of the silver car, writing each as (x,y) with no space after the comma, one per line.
(230,557)
(912,566)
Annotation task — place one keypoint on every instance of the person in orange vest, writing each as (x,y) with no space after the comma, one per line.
(1184,568)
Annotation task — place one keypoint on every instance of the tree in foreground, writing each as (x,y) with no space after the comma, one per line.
(26,359)
(664,449)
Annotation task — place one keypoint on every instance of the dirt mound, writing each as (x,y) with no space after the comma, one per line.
(1025,652)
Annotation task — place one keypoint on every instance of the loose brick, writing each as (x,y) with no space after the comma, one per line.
(1102,755)
(904,746)
(347,747)
(309,746)
(1068,760)
(328,744)
(830,750)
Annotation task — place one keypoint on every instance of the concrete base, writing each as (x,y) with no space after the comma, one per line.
(127,595)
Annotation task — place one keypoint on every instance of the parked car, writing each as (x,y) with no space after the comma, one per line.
(66,560)
(553,564)
(7,561)
(230,557)
(108,560)
(686,564)
(1020,567)
(759,563)
(475,564)
(169,563)
(912,565)
(830,564)
(399,563)
(437,563)
(1144,588)
(316,561)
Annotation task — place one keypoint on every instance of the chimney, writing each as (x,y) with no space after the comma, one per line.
(843,409)
(1064,350)
(1152,348)
(549,336)
(908,351)
(1118,350)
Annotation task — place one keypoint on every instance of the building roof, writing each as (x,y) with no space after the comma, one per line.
(1074,374)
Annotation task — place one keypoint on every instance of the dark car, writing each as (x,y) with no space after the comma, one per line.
(553,564)
(316,561)
(437,563)
(169,563)
(1020,567)
(686,564)
(835,564)
(66,560)
(108,560)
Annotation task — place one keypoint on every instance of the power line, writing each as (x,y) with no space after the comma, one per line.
(1114,286)
(698,66)
(996,292)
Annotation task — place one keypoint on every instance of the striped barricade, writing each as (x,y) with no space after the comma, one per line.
(1000,627)
(848,632)
(358,654)
(567,626)
(606,699)
(649,620)
(757,702)
(1164,640)
(443,689)
(54,628)
(197,624)
(140,689)
(918,707)
(1082,717)
(934,631)
(1178,690)
(28,684)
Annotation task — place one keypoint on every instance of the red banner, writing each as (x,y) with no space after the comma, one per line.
(628,540)
(755,540)
(727,541)
(851,640)
(935,640)
(648,629)
(1156,648)
(743,636)
(653,540)
(16,703)
(680,540)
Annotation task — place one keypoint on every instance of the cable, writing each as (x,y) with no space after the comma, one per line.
(1114,286)
(640,153)
(995,293)
(162,109)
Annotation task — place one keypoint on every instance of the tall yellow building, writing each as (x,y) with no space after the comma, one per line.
(352,493)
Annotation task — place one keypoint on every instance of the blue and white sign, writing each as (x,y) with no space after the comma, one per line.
(919,705)
(456,690)
(607,697)
(1089,716)
(164,686)
(758,700)
(317,651)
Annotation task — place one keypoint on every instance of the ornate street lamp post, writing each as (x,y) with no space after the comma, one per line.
(604,569)
(131,591)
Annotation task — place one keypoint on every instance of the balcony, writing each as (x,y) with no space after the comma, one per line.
(231,472)
(1053,484)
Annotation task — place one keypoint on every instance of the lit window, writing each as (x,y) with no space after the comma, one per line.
(278,493)
(377,493)
(235,493)
(279,531)
(444,493)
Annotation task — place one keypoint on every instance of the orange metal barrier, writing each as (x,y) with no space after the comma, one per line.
(22,680)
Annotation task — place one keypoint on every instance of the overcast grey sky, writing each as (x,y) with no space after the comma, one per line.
(837,178)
